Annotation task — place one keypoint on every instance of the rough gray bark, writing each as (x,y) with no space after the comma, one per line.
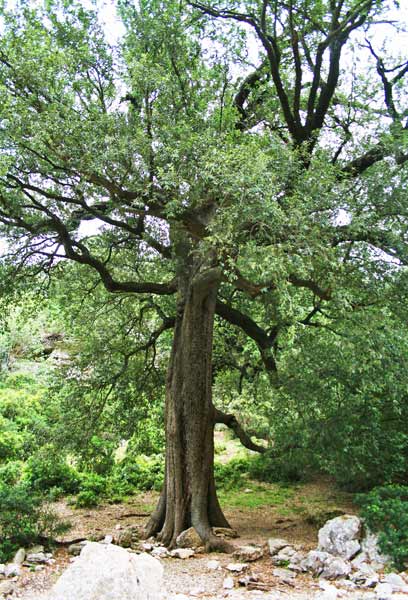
(189,496)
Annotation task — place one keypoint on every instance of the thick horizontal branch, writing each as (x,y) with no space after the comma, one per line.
(231,422)
(263,340)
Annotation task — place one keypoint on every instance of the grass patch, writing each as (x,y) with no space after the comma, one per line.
(273,495)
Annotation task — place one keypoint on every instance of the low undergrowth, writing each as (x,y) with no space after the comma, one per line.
(385,511)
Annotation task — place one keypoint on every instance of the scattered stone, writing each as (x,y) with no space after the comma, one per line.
(146,547)
(76,549)
(225,532)
(236,567)
(118,527)
(369,547)
(284,574)
(160,552)
(248,553)
(248,580)
(39,558)
(19,557)
(276,544)
(12,570)
(284,556)
(340,536)
(188,538)
(127,538)
(366,578)
(6,588)
(182,553)
(213,565)
(228,583)
(335,567)
(315,561)
(2,570)
(397,583)
(383,591)
(108,572)
(330,592)
(296,561)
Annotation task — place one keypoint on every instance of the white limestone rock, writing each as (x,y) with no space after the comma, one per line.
(188,538)
(228,583)
(315,561)
(276,544)
(340,536)
(248,553)
(12,570)
(397,583)
(370,549)
(19,557)
(365,577)
(284,556)
(383,591)
(236,567)
(335,568)
(296,561)
(182,553)
(108,572)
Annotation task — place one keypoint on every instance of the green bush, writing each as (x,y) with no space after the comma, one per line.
(87,499)
(92,489)
(10,473)
(99,456)
(47,469)
(230,475)
(385,511)
(138,473)
(24,518)
(269,468)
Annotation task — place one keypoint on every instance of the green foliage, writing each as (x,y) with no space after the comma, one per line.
(47,469)
(138,473)
(271,468)
(92,488)
(98,456)
(385,511)
(23,519)
(11,472)
(231,475)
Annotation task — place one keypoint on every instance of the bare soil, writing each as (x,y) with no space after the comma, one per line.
(300,523)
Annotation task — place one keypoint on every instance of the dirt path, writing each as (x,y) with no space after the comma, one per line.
(294,519)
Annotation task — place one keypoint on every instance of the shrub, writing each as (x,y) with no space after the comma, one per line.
(24,518)
(140,473)
(99,456)
(385,511)
(87,499)
(11,472)
(229,475)
(269,468)
(46,469)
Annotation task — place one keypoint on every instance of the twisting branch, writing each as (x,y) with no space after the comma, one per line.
(231,422)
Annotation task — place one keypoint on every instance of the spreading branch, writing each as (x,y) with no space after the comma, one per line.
(231,422)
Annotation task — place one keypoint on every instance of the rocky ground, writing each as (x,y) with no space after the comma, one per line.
(317,570)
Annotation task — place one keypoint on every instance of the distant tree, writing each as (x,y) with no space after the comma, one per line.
(260,195)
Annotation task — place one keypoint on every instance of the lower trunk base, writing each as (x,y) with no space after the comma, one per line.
(166,524)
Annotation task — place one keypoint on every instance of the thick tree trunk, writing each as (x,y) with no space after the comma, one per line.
(189,496)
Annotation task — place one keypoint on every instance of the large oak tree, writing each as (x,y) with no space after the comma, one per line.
(258,193)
